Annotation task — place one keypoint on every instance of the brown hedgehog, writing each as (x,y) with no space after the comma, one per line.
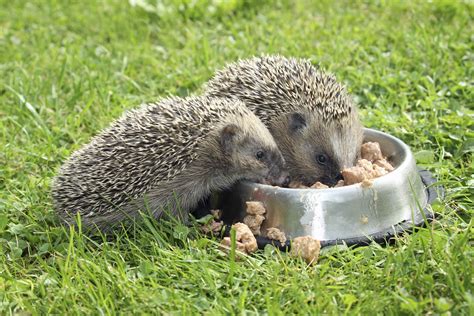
(310,114)
(165,157)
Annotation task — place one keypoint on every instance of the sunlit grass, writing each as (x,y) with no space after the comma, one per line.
(68,69)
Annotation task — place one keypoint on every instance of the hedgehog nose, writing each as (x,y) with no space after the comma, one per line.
(332,181)
(282,180)
(286,182)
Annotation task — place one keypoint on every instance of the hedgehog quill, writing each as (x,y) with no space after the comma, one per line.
(310,114)
(165,157)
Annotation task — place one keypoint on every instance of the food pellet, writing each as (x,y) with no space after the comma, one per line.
(371,151)
(319,185)
(276,234)
(254,222)
(255,208)
(305,247)
(245,240)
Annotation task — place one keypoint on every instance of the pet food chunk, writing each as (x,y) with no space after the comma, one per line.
(364,171)
(255,208)
(297,185)
(217,214)
(245,240)
(354,175)
(339,183)
(226,244)
(366,183)
(383,163)
(372,165)
(276,234)
(379,171)
(306,247)
(254,222)
(371,151)
(214,227)
(319,185)
(254,218)
(367,165)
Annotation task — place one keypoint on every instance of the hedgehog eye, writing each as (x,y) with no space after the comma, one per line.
(260,155)
(322,159)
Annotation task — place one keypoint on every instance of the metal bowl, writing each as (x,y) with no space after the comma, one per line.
(352,214)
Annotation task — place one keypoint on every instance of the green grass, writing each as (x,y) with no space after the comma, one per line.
(67,69)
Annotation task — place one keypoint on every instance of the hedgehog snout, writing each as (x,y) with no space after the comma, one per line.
(334,179)
(284,180)
(278,173)
(331,180)
(279,178)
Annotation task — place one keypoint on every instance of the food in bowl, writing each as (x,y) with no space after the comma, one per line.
(371,165)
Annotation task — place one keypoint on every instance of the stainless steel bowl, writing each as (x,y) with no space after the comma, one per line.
(344,213)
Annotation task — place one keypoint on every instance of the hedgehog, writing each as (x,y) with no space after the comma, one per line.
(164,158)
(310,115)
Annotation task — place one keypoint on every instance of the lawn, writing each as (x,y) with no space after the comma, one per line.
(67,68)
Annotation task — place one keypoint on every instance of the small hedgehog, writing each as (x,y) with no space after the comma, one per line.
(310,115)
(165,157)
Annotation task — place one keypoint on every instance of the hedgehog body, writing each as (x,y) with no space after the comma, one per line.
(309,113)
(164,157)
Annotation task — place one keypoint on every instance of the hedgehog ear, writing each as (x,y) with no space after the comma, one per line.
(296,121)
(228,134)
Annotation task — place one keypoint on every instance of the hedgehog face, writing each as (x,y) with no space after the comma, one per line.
(253,156)
(318,151)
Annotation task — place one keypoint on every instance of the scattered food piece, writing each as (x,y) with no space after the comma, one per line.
(213,227)
(255,208)
(319,185)
(244,235)
(254,222)
(371,151)
(217,214)
(227,244)
(254,218)
(276,234)
(306,247)
(245,240)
